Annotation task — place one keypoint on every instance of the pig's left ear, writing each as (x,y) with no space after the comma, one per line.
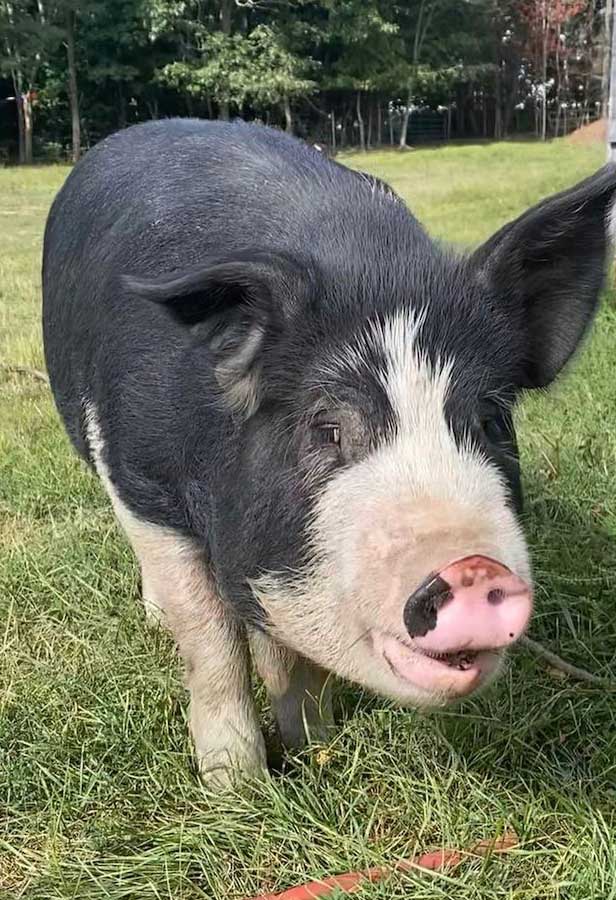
(236,306)
(547,269)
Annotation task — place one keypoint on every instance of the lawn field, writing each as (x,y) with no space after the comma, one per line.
(98,793)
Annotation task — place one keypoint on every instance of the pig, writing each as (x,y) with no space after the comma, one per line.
(301,408)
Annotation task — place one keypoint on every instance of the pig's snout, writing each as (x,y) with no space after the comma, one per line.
(473,604)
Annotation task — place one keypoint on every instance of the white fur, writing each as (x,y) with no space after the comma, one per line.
(223,718)
(239,375)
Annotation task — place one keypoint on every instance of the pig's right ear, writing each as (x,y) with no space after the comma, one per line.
(239,307)
(546,269)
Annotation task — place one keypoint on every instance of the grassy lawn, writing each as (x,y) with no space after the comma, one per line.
(98,796)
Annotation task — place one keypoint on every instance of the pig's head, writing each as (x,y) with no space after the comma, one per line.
(366,510)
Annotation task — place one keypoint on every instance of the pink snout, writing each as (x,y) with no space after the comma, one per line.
(473,604)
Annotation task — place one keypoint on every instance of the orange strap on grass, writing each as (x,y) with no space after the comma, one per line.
(435,861)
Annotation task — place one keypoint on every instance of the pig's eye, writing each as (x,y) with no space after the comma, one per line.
(328,434)
(491,426)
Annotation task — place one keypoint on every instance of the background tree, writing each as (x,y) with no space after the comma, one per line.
(333,71)
(417,33)
(27,36)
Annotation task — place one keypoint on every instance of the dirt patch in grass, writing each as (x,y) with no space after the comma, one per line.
(593,133)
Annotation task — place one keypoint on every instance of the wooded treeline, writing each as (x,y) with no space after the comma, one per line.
(339,72)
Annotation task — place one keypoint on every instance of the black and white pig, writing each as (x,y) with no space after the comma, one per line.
(301,408)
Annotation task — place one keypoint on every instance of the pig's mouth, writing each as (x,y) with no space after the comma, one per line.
(460,659)
(445,674)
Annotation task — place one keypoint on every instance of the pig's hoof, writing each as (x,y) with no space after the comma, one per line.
(225,766)
(229,776)
(154,615)
(225,774)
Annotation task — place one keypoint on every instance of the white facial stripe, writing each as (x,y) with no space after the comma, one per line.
(416,390)
(423,461)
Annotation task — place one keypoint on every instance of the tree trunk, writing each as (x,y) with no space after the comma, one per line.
(391,128)
(498,110)
(121,108)
(73,94)
(379,125)
(544,110)
(405,118)
(226,7)
(360,122)
(587,96)
(152,107)
(558,86)
(511,99)
(422,27)
(369,138)
(460,121)
(566,85)
(472,117)
(544,113)
(288,115)
(26,105)
(17,88)
(333,118)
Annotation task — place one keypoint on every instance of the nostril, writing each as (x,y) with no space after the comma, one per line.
(496,596)
(421,610)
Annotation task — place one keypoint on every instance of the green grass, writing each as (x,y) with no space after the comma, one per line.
(98,796)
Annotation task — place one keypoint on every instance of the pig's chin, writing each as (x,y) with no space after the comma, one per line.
(430,680)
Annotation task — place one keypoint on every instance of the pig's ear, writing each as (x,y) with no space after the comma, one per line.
(239,307)
(547,269)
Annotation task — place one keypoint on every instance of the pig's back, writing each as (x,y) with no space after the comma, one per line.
(165,193)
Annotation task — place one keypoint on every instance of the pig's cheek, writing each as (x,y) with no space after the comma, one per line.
(380,575)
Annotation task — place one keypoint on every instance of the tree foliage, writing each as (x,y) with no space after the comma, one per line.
(339,71)
(256,68)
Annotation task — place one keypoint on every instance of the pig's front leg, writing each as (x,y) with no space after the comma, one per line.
(178,588)
(299,691)
(223,719)
(214,647)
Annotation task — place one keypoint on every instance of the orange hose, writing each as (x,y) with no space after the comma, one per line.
(436,860)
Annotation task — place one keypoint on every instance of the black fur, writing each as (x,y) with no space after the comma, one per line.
(241,232)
